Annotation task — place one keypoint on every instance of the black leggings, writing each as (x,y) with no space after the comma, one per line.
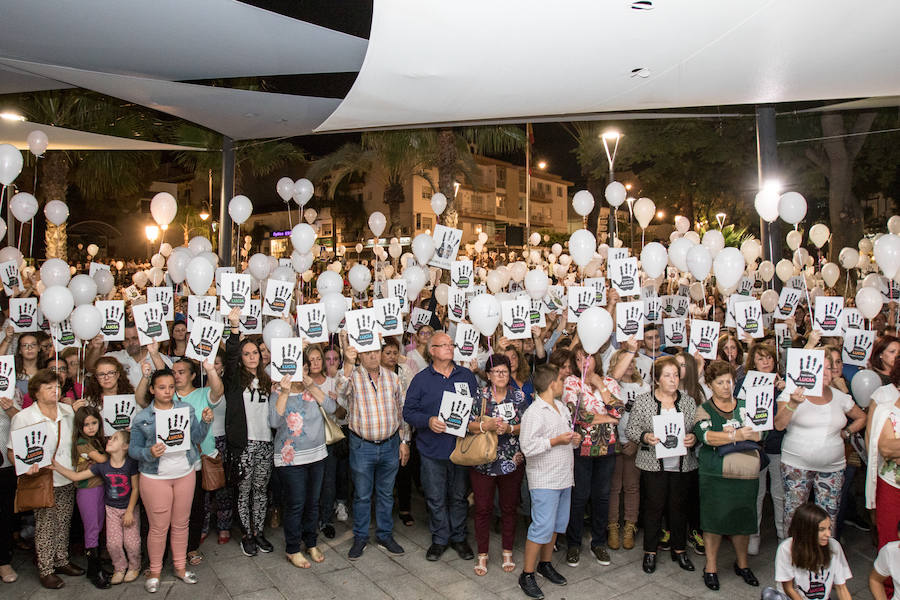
(665,492)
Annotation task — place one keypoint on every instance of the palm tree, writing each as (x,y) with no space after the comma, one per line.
(390,157)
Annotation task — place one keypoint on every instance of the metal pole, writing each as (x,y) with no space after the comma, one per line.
(767,159)
(10,220)
(527,183)
(612,213)
(225,232)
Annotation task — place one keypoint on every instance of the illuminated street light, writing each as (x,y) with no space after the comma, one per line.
(152,232)
(204,215)
(611,134)
(542,165)
(660,214)
(628,187)
(720,219)
(607,136)
(11,116)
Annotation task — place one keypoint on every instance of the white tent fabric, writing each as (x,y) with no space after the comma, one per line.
(16,133)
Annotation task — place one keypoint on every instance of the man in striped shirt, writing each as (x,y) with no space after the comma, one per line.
(379,444)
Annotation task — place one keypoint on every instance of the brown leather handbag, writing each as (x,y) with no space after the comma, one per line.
(475,448)
(212,472)
(36,491)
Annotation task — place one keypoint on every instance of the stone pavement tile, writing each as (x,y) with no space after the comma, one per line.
(241,575)
(435,574)
(650,591)
(496,579)
(376,564)
(290,581)
(350,583)
(266,594)
(208,589)
(465,589)
(406,587)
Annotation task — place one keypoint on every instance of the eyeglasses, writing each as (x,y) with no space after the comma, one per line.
(58,369)
(499,373)
(28,346)
(426,333)
(106,374)
(442,345)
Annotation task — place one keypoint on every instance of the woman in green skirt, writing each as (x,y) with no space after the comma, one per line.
(729,473)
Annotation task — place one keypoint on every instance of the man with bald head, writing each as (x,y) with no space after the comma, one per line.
(445,484)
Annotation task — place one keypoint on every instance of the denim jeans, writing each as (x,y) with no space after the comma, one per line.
(593,476)
(373,468)
(446,487)
(302,485)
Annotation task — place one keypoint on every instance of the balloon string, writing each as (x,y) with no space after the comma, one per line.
(31,239)
(290,216)
(2,194)
(21,225)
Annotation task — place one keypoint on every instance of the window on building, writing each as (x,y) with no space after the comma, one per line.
(521,203)
(500,202)
(477,203)
(325,230)
(427,192)
(559,191)
(521,180)
(501,177)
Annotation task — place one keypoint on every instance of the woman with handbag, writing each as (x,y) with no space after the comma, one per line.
(53,496)
(499,414)
(729,473)
(248,435)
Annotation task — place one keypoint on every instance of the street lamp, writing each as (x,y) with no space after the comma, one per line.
(152,233)
(660,215)
(720,219)
(630,200)
(542,165)
(204,215)
(611,135)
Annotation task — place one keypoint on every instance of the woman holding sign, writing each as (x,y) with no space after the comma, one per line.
(109,379)
(162,441)
(729,473)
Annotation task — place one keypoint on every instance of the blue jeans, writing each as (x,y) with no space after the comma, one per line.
(446,486)
(373,466)
(593,476)
(302,485)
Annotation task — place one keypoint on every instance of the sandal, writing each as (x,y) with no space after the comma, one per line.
(224,536)
(508,565)
(315,554)
(298,560)
(407,519)
(195,557)
(8,574)
(481,566)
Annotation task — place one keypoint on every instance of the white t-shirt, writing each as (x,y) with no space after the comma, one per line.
(888,564)
(173,465)
(813,439)
(812,586)
(256,407)
(65,417)
(133,367)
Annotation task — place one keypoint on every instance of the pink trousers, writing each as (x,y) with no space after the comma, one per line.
(168,506)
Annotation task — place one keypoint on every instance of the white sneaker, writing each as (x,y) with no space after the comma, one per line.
(340,512)
(753,546)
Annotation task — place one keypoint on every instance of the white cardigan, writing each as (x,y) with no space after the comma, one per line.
(884,397)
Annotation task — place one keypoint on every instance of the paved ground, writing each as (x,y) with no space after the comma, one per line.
(226,573)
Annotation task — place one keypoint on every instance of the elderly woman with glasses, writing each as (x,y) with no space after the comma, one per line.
(69,393)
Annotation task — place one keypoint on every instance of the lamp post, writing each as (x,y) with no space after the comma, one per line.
(152,233)
(630,200)
(608,136)
(720,219)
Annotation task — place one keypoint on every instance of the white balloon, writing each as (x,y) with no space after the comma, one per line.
(582,246)
(395,250)
(438,203)
(556,249)
(887,254)
(693,237)
(863,385)
(697,291)
(869,301)
(54,272)
(537,283)
(535,239)
(24,206)
(423,247)
(766,204)
(2,228)
(583,202)
(377,223)
(784,269)
(199,275)
(865,245)
(11,162)
(199,244)
(794,239)
(303,236)
(751,249)
(275,329)
(766,270)
(329,282)
(285,188)
(165,249)
(654,259)
(682,224)
(240,208)
(830,273)
(800,257)
(594,327)
(872,280)
(301,262)
(258,265)
(156,276)
(415,278)
(56,303)
(849,258)
(177,263)
(615,194)
(819,234)
(359,277)
(442,294)
(37,142)
(104,280)
(517,271)
(163,208)
(303,191)
(728,267)
(678,250)
(893,225)
(56,212)
(484,313)
(358,248)
(83,288)
(495,281)
(699,262)
(643,210)
(714,241)
(792,207)
(284,273)
(310,215)
(211,257)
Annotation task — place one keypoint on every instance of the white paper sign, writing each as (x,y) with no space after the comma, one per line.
(454,412)
(614,254)
(387,312)
(235,292)
(669,429)
(851,318)
(827,316)
(112,319)
(456,304)
(653,311)
(796,282)
(465,345)
(782,336)
(32,446)
(745,286)
(7,376)
(857,348)
(579,299)
(759,379)
(219,272)
(623,274)
(165,297)
(515,316)
(117,412)
(804,370)
(132,294)
(200,307)
(748,316)
(890,290)
(287,359)
(204,339)
(150,321)
(668,305)
(704,338)
(362,329)
(63,336)
(759,408)
(9,274)
(599,286)
(396,288)
(536,316)
(419,317)
(23,314)
(680,305)
(675,335)
(787,303)
(629,320)
(446,246)
(279,295)
(250,321)
(461,274)
(311,323)
(95,266)
(173,428)
(731,309)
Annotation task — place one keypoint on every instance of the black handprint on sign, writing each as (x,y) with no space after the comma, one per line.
(681,306)
(25,318)
(706,342)
(11,276)
(672,431)
(205,309)
(289,354)
(785,341)
(745,286)
(391,314)
(122,419)
(751,318)
(456,308)
(280,300)
(250,321)
(534,314)
(154,323)
(454,420)
(632,321)
(829,320)
(470,338)
(677,337)
(854,320)
(893,290)
(816,589)
(207,341)
(314,320)
(651,310)
(517,325)
(790,301)
(465,276)
(64,334)
(240,289)
(112,320)
(34,448)
(365,325)
(859,346)
(6,376)
(600,291)
(583,301)
(809,369)
(763,406)
(177,427)
(443,251)
(627,275)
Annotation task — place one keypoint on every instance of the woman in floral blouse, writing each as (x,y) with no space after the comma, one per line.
(503,408)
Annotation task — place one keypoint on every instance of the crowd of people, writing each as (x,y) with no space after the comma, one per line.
(575,452)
